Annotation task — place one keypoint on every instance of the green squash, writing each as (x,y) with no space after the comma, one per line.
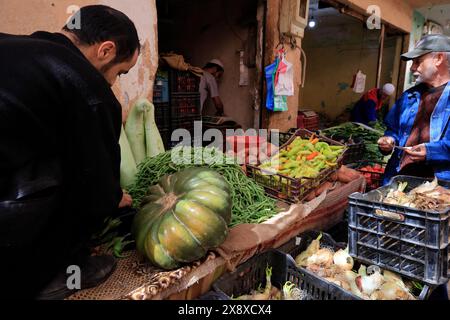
(183,217)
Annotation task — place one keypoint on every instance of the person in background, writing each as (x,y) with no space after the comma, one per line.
(367,108)
(420,119)
(59,151)
(212,73)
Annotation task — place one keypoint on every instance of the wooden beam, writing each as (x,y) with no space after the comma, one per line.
(259,91)
(380,55)
(403,64)
(397,67)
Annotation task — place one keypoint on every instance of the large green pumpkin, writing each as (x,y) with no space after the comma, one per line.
(183,217)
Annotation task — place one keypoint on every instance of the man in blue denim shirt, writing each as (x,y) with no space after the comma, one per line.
(420,118)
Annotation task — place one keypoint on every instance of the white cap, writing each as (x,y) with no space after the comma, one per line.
(389,89)
(218,62)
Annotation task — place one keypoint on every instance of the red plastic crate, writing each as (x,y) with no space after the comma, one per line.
(308,120)
(374,180)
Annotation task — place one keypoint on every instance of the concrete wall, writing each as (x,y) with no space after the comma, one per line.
(336,49)
(27,16)
(202,30)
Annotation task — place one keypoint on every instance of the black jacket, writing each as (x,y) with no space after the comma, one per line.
(59,153)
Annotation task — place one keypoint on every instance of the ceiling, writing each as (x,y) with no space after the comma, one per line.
(439,14)
(426,3)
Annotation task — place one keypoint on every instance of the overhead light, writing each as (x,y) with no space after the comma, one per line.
(312,22)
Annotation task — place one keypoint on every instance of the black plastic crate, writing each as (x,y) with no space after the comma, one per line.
(284,137)
(161,87)
(251,274)
(414,245)
(299,244)
(162,115)
(292,190)
(166,138)
(355,150)
(185,106)
(183,82)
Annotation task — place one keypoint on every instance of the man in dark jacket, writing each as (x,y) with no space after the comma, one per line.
(59,153)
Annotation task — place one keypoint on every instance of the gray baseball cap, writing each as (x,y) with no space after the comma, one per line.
(429,43)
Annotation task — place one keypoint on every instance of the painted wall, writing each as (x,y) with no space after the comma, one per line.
(336,49)
(220,34)
(27,16)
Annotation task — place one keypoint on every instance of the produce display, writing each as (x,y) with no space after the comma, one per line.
(182,217)
(289,292)
(128,167)
(373,175)
(139,139)
(369,283)
(304,158)
(350,130)
(250,203)
(429,196)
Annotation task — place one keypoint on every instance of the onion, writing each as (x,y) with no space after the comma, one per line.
(392,277)
(323,257)
(343,260)
(392,291)
(369,284)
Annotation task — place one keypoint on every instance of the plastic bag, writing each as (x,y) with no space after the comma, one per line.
(270,72)
(359,82)
(280,103)
(284,82)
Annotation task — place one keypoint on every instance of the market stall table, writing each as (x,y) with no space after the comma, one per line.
(141,281)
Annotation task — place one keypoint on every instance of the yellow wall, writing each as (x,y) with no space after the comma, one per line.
(336,49)
(27,16)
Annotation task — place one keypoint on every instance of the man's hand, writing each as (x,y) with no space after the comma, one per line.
(418,153)
(126,201)
(386,144)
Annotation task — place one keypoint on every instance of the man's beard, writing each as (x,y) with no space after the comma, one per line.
(426,77)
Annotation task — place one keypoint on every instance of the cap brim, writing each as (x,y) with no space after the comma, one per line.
(416,53)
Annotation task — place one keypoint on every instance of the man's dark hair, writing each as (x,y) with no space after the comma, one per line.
(102,23)
(213,65)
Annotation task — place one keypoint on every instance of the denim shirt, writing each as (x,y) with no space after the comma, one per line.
(400,121)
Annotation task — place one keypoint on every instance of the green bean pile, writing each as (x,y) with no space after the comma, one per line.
(250,203)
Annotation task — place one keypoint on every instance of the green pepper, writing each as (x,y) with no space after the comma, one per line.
(337,148)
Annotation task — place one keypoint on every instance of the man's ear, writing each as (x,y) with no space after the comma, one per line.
(107,51)
(441,58)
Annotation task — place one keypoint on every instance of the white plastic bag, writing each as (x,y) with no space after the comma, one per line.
(285,84)
(359,85)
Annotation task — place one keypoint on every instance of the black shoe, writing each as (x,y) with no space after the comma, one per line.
(94,271)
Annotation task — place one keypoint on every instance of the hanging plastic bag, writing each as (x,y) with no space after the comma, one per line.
(280,103)
(284,84)
(270,72)
(359,82)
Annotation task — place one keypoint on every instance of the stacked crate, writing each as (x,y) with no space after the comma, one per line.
(177,103)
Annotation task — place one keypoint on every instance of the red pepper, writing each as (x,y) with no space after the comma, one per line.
(312,156)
